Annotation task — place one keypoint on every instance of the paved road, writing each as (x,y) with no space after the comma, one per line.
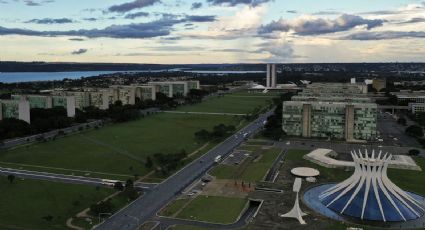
(65,178)
(148,205)
(392,133)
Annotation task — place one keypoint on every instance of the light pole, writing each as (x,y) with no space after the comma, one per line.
(136,219)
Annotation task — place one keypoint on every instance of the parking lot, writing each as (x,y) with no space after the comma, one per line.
(237,157)
(390,133)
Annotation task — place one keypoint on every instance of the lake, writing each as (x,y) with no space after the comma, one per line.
(12,77)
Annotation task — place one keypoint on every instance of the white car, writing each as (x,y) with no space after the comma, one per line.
(288,143)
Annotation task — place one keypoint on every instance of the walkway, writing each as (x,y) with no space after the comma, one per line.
(206,113)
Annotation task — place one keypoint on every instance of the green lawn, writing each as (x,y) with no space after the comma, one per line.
(410,180)
(25,202)
(119,148)
(174,207)
(228,104)
(214,209)
(249,170)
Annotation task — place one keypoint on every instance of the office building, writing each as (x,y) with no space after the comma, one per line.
(415,108)
(336,88)
(176,88)
(271,80)
(48,102)
(339,120)
(405,97)
(379,84)
(18,109)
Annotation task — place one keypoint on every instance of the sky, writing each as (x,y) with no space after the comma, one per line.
(212,31)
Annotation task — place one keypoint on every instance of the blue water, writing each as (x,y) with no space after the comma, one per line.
(12,77)
(49,76)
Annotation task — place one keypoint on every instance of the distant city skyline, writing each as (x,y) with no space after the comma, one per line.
(212,31)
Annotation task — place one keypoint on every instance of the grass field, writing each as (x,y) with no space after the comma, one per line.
(25,202)
(119,148)
(250,170)
(228,104)
(213,209)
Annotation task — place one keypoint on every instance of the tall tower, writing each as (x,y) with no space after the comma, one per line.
(269,68)
(274,76)
(271,76)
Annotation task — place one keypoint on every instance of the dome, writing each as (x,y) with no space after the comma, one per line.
(370,195)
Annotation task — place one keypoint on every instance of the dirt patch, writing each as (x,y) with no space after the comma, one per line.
(228,188)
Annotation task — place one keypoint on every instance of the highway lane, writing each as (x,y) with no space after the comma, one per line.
(148,205)
(65,178)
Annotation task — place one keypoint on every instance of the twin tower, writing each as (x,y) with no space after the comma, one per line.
(271,76)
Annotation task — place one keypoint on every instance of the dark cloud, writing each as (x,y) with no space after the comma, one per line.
(90,19)
(136,15)
(79,52)
(157,28)
(316,26)
(76,39)
(198,18)
(238,2)
(129,6)
(196,5)
(37,3)
(292,11)
(51,21)
(384,35)
(413,20)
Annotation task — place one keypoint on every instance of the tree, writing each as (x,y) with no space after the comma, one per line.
(11,178)
(402,121)
(149,162)
(415,131)
(202,135)
(414,152)
(129,184)
(119,186)
(101,207)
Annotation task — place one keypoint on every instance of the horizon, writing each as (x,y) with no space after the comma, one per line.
(212,31)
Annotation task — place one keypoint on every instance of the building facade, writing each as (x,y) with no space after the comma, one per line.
(339,120)
(18,109)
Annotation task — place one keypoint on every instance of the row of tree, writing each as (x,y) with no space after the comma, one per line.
(219,132)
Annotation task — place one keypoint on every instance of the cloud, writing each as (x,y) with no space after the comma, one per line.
(315,26)
(157,28)
(291,11)
(384,35)
(37,3)
(51,21)
(196,5)
(136,15)
(278,51)
(198,18)
(76,39)
(90,19)
(129,6)
(79,52)
(237,2)
(413,20)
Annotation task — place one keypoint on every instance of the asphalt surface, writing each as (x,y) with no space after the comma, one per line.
(66,178)
(392,133)
(145,207)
